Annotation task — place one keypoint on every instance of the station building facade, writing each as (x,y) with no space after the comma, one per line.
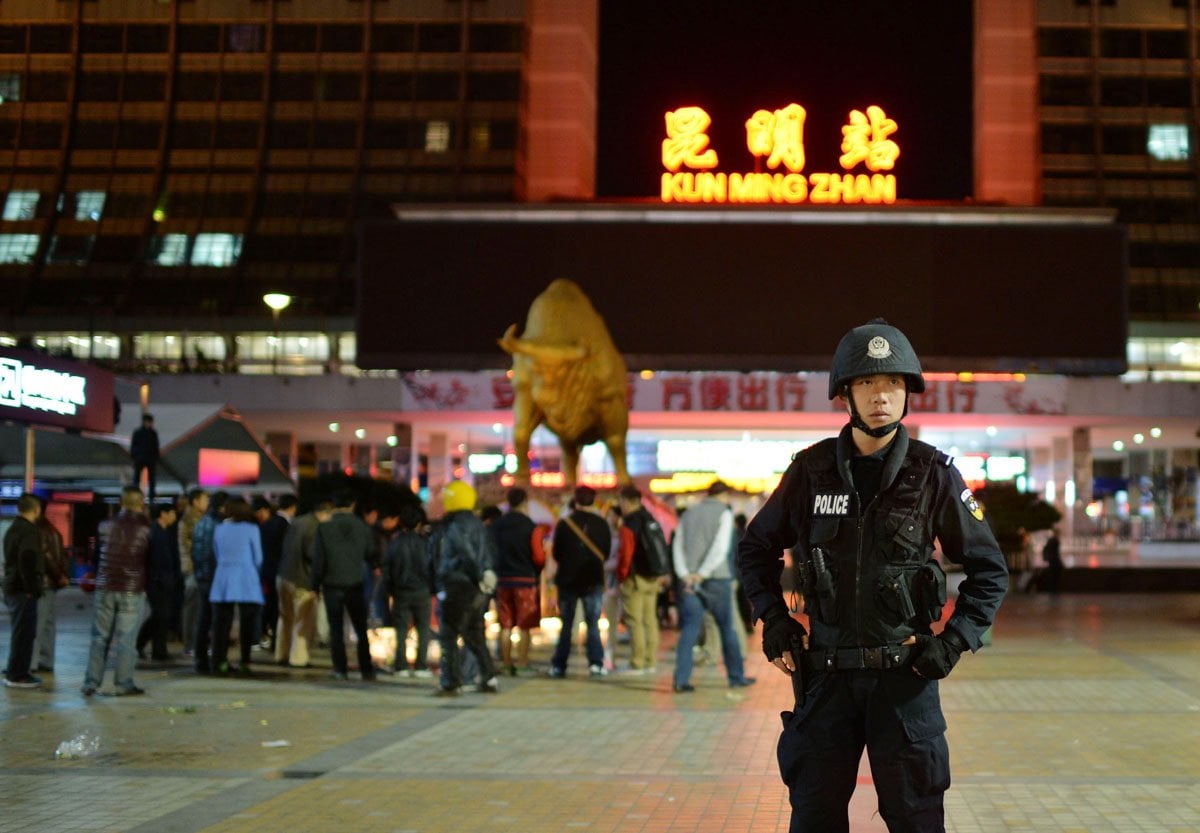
(168,165)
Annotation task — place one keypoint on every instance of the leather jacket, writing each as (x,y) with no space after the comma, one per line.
(876,581)
(124,544)
(461,549)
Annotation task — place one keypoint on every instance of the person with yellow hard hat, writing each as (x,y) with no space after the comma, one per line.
(463,560)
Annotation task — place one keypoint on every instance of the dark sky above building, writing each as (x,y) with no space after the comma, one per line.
(911,57)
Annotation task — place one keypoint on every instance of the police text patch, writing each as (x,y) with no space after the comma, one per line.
(972,505)
(827,505)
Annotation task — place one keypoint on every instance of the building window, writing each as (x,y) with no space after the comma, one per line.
(1122,140)
(241,86)
(199,38)
(1120,43)
(99,86)
(144,86)
(94,38)
(41,135)
(437,136)
(89,205)
(493,86)
(341,37)
(21,205)
(339,86)
(50,39)
(1064,43)
(437,86)
(495,37)
(392,37)
(10,87)
(1066,91)
(70,248)
(147,38)
(295,38)
(1169,142)
(1068,138)
(18,248)
(244,37)
(216,249)
(481,135)
(196,86)
(1167,43)
(13,39)
(439,37)
(169,250)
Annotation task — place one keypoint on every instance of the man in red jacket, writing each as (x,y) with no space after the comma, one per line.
(124,543)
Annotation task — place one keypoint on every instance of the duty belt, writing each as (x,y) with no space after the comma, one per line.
(857,659)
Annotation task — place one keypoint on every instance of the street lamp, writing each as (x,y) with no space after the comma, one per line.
(278,302)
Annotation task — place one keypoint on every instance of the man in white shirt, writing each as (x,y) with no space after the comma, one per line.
(700,551)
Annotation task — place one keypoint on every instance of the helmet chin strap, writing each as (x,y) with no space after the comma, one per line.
(856,421)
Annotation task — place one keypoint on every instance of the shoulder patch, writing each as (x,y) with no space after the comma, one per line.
(968,500)
(944,459)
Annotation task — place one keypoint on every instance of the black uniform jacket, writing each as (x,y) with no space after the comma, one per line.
(883,582)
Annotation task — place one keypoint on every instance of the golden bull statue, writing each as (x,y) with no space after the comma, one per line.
(568,376)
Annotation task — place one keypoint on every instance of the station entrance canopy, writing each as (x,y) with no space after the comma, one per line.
(745,289)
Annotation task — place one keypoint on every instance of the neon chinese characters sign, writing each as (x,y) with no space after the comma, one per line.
(776,139)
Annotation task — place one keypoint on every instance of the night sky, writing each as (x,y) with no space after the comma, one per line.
(911,57)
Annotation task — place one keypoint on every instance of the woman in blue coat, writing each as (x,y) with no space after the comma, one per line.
(237,546)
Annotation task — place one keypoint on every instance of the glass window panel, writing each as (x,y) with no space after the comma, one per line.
(241,86)
(145,86)
(42,135)
(1066,90)
(1168,92)
(1068,138)
(1171,43)
(1123,140)
(10,89)
(143,38)
(439,37)
(50,38)
(335,134)
(199,38)
(70,248)
(293,86)
(481,133)
(135,135)
(392,37)
(495,37)
(99,86)
(217,249)
(341,37)
(101,38)
(284,135)
(1169,142)
(169,250)
(18,248)
(21,205)
(43,86)
(391,86)
(493,86)
(1120,43)
(295,38)
(1064,42)
(13,39)
(237,134)
(244,37)
(338,86)
(89,205)
(1122,92)
(116,248)
(196,86)
(437,86)
(504,135)
(437,136)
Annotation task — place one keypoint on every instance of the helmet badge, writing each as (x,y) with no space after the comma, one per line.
(878,348)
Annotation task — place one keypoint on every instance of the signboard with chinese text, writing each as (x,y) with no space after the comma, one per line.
(36,389)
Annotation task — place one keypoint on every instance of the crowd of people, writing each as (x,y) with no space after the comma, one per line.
(211,570)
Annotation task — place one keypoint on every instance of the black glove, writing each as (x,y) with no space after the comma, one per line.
(781,633)
(937,655)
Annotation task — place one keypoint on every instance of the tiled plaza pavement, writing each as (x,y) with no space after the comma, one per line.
(1084,715)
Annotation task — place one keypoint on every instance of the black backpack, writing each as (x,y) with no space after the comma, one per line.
(653,557)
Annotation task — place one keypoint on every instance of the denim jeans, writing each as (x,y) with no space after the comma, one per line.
(22,611)
(591,615)
(716,596)
(118,616)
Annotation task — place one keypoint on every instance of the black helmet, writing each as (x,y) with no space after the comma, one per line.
(875,347)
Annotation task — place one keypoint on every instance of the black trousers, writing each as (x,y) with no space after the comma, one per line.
(461,614)
(22,611)
(897,717)
(247,617)
(204,626)
(350,601)
(155,628)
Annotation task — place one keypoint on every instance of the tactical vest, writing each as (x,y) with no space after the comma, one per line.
(867,573)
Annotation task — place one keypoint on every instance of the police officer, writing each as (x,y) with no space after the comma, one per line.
(860,513)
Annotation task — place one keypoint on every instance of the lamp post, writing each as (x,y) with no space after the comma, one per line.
(278,302)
